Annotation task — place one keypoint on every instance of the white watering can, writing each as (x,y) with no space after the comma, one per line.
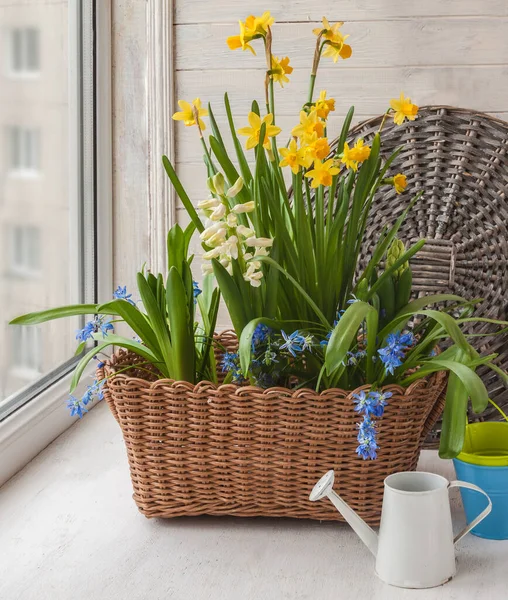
(415,546)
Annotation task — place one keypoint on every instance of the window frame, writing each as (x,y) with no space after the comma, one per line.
(42,403)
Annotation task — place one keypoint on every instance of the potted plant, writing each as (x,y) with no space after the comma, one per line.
(484,462)
(331,365)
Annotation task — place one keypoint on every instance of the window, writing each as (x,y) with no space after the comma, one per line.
(24,51)
(24,250)
(26,351)
(49,228)
(23,150)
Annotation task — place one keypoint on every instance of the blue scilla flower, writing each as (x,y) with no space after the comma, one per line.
(372,403)
(121,294)
(353,299)
(293,343)
(100,362)
(231,364)
(324,343)
(195,291)
(367,444)
(260,335)
(98,324)
(76,407)
(393,353)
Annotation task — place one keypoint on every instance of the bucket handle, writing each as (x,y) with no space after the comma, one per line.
(481,516)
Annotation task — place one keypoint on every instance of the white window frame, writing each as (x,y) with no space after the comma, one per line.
(25,72)
(25,158)
(25,432)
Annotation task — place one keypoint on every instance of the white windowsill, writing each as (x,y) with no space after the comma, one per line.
(36,424)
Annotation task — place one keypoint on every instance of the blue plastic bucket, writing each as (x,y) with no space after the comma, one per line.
(494,481)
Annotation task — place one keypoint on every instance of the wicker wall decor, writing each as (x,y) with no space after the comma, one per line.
(459,159)
(244,451)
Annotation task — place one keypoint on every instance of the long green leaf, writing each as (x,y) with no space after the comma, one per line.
(454,418)
(57,313)
(232,297)
(80,367)
(182,194)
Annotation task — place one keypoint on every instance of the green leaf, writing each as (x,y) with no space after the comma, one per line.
(245,343)
(232,297)
(56,313)
(182,337)
(454,419)
(80,367)
(182,194)
(344,334)
(136,320)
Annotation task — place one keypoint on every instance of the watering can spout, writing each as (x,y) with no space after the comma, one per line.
(324,488)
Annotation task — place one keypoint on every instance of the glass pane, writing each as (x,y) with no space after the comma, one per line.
(39,206)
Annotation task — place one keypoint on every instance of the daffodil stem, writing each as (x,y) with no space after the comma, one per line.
(383,121)
(272,100)
(207,153)
(311,87)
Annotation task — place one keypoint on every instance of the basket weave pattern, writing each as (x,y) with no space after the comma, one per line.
(459,159)
(244,451)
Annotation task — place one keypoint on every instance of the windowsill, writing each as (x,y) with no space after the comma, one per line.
(29,429)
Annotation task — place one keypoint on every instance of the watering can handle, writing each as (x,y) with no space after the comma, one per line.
(481,516)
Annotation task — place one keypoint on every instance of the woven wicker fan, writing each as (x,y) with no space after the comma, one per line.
(459,158)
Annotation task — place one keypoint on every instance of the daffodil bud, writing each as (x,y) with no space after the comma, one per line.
(246,207)
(235,189)
(218,183)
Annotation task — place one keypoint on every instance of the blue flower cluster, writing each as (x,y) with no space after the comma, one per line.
(369,405)
(231,364)
(394,351)
(77,406)
(260,335)
(98,324)
(195,291)
(121,294)
(293,343)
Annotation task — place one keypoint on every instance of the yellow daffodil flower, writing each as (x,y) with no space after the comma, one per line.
(315,147)
(281,68)
(360,152)
(294,157)
(338,50)
(322,173)
(187,114)
(254,130)
(328,31)
(309,123)
(399,183)
(351,157)
(254,27)
(324,106)
(403,109)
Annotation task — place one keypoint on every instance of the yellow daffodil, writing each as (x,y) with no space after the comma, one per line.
(187,114)
(315,147)
(338,50)
(322,173)
(403,109)
(324,106)
(294,157)
(254,130)
(351,157)
(335,45)
(360,152)
(309,123)
(399,183)
(281,68)
(254,27)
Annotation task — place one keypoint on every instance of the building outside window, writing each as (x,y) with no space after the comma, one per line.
(24,250)
(26,353)
(23,149)
(24,51)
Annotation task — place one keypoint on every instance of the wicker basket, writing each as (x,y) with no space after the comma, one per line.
(245,451)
